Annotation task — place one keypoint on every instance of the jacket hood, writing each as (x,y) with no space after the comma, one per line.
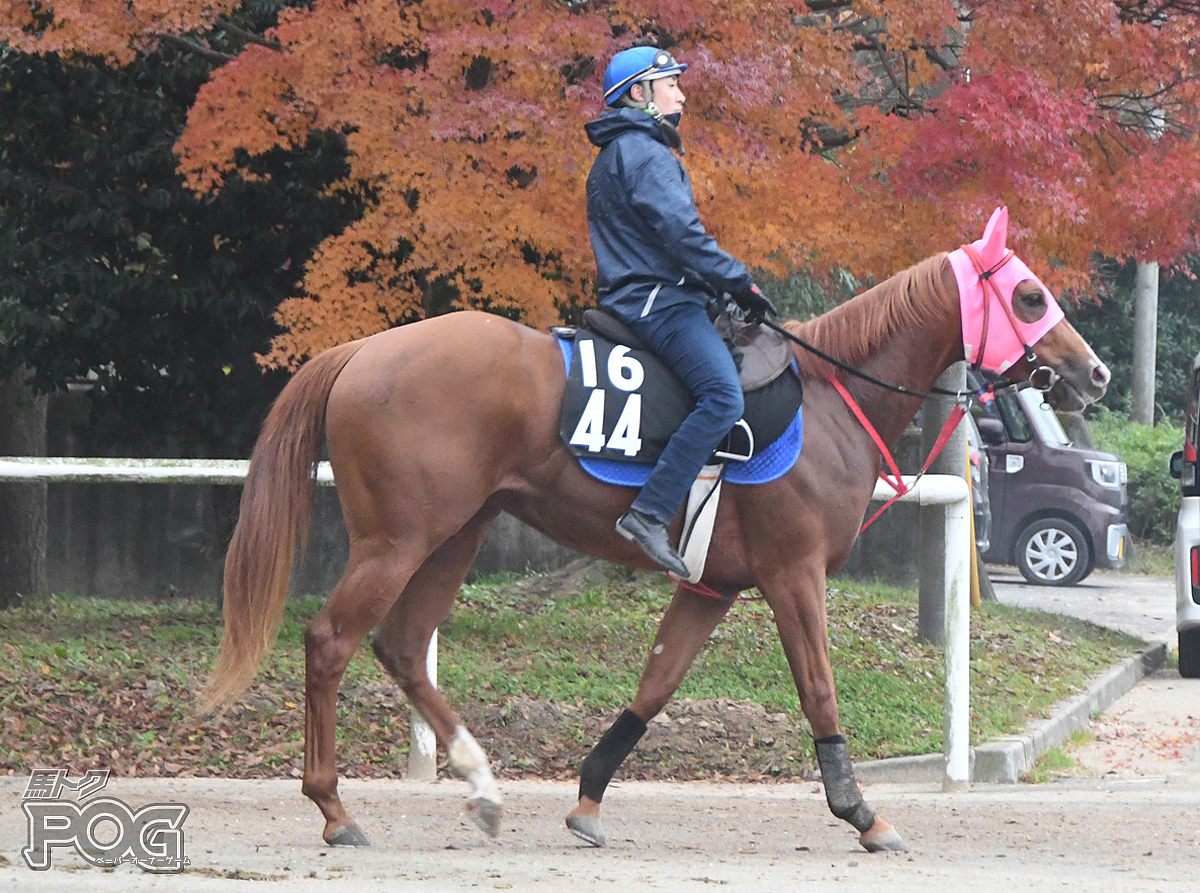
(614,122)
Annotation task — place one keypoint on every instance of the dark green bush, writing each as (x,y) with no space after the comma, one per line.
(1153,493)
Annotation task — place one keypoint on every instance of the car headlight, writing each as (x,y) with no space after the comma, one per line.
(1108,473)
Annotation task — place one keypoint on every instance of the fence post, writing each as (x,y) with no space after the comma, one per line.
(957,717)
(951,492)
(422,749)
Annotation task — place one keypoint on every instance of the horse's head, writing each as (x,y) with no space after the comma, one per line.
(1012,324)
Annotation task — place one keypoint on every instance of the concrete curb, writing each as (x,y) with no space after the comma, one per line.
(1004,760)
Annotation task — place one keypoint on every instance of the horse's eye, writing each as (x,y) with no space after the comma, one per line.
(1029,304)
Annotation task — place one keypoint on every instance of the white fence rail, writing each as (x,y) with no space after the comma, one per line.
(133,471)
(945,490)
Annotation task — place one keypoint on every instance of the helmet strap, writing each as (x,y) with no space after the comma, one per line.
(665,127)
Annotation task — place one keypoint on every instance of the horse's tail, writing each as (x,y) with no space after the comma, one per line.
(274,517)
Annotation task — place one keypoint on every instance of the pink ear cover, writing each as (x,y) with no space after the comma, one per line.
(1003,346)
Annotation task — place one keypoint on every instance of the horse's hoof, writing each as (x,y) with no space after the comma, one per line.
(587,828)
(486,814)
(347,835)
(882,838)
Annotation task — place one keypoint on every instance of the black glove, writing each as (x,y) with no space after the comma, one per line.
(754,304)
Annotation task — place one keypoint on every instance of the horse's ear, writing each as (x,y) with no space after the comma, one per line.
(995,235)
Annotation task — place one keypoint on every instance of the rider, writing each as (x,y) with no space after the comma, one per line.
(657,269)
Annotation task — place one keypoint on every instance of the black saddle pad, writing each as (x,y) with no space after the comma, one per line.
(624,403)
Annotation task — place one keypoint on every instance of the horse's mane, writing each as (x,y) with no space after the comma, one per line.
(852,331)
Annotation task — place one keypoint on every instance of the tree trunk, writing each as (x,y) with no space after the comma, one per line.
(22,506)
(1145,342)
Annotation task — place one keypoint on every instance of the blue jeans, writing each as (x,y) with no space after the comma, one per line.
(684,338)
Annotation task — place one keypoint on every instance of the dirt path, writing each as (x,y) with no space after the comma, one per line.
(1132,825)
(1117,834)
(1154,730)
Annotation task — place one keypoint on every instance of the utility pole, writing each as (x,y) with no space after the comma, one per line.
(1145,342)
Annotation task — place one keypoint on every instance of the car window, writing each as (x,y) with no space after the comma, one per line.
(1042,417)
(1006,407)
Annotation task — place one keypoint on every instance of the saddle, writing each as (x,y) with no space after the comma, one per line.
(623,403)
(761,354)
(612,376)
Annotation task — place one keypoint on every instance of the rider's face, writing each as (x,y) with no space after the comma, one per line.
(664,92)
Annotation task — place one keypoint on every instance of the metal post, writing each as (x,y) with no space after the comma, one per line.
(957,720)
(951,492)
(931,594)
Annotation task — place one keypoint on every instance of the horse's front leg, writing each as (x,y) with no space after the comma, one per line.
(685,627)
(800,617)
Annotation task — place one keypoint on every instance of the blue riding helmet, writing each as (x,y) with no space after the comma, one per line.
(635,65)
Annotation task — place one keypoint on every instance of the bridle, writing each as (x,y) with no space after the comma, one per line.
(1041,378)
(962,399)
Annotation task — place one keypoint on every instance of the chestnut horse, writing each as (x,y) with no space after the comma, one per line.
(434,428)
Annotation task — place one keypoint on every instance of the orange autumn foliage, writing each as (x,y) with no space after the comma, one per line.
(855,134)
(115,30)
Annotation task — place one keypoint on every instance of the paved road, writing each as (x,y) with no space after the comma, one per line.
(1142,606)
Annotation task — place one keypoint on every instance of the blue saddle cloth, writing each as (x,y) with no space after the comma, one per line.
(773,462)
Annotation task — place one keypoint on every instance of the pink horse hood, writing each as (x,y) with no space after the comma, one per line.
(1003,343)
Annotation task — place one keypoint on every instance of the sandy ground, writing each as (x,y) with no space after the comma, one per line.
(1115,834)
(1130,821)
(1152,731)
(1131,824)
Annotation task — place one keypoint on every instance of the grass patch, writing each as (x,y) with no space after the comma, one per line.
(1150,558)
(109,684)
(1057,762)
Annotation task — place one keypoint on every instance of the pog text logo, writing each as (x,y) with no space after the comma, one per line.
(103,830)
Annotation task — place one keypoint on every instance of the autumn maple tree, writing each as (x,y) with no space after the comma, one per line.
(819,133)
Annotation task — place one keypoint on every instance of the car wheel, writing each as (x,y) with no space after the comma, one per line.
(1189,653)
(1053,552)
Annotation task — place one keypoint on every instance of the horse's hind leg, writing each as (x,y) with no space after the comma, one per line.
(376,573)
(401,643)
(688,622)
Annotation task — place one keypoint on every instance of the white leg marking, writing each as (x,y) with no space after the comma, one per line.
(468,761)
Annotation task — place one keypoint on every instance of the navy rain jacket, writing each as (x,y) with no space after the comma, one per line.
(651,249)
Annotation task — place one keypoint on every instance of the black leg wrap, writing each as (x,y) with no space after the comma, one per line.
(841,790)
(609,753)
